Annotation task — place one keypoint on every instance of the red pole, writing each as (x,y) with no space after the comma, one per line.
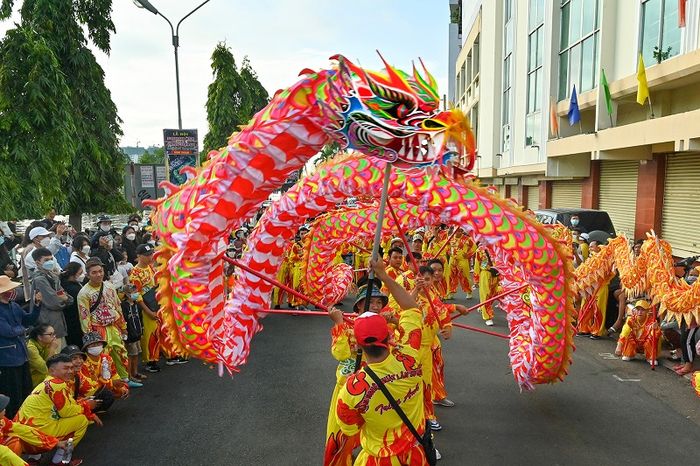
(490,300)
(296,313)
(446,243)
(276,283)
(480,330)
(410,254)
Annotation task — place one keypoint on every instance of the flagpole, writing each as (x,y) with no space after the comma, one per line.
(651,107)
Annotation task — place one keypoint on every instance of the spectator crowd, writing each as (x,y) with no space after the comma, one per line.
(79,321)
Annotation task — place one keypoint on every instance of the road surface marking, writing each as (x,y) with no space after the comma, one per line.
(619,379)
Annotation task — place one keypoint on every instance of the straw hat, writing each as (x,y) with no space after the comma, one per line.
(6,284)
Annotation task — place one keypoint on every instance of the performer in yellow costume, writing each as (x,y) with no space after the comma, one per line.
(17,439)
(364,410)
(339,447)
(462,250)
(488,282)
(640,334)
(142,276)
(296,259)
(51,407)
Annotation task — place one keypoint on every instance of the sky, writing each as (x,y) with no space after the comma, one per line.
(280,37)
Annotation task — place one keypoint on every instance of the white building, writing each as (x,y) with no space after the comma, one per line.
(517,66)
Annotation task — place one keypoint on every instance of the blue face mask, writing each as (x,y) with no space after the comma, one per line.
(134,296)
(2,240)
(49,265)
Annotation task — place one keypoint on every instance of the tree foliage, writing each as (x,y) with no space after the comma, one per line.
(157,157)
(232,98)
(59,127)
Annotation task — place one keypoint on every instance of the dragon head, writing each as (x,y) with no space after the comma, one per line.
(395,116)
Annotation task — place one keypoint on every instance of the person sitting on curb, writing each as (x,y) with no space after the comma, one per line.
(17,439)
(81,387)
(52,409)
(99,367)
(41,345)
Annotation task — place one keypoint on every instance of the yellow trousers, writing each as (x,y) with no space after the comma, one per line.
(339,447)
(67,427)
(150,342)
(426,358)
(9,458)
(487,286)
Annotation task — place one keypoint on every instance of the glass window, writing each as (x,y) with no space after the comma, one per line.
(661,36)
(534,69)
(589,16)
(506,73)
(532,128)
(574,21)
(507,70)
(506,106)
(563,75)
(671,37)
(587,64)
(578,55)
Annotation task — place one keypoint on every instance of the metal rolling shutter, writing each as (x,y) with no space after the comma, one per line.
(533,197)
(681,209)
(566,194)
(618,193)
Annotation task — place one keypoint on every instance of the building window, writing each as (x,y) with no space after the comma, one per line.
(578,45)
(534,71)
(507,72)
(661,36)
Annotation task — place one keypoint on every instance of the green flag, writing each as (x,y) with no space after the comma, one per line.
(606,89)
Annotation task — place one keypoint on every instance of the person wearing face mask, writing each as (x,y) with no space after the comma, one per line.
(81,252)
(39,237)
(71,281)
(15,378)
(8,241)
(104,224)
(99,308)
(134,332)
(99,367)
(103,248)
(129,243)
(55,298)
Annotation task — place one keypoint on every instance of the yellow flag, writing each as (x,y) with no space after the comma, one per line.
(643,87)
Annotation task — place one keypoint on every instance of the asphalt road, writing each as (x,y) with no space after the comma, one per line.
(274,411)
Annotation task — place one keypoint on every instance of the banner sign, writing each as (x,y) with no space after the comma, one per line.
(181,149)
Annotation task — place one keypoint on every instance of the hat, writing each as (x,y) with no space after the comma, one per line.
(395,239)
(103,218)
(642,303)
(376,293)
(6,284)
(135,217)
(371,330)
(38,231)
(417,238)
(72,350)
(92,337)
(144,250)
(4,401)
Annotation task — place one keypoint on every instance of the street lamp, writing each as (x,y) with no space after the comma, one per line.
(176,43)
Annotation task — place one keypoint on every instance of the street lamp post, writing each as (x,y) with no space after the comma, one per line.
(176,43)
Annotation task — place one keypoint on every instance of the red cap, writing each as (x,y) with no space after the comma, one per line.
(371,330)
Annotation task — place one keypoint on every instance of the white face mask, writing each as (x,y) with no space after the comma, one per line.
(134,226)
(152,243)
(45,242)
(131,236)
(94,350)
(105,226)
(85,249)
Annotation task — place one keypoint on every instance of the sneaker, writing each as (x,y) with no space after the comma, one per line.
(171,361)
(489,322)
(134,384)
(181,360)
(653,362)
(594,337)
(73,462)
(152,367)
(626,358)
(469,296)
(434,425)
(140,377)
(444,402)
(438,456)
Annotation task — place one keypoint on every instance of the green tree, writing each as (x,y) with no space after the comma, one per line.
(258,95)
(233,98)
(87,166)
(157,157)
